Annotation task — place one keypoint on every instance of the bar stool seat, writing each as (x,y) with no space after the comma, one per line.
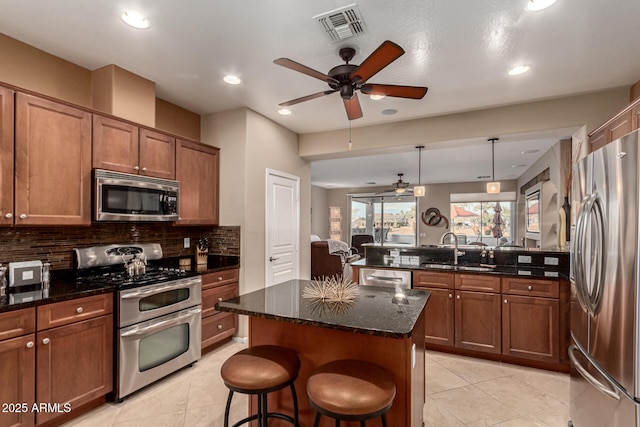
(260,370)
(351,390)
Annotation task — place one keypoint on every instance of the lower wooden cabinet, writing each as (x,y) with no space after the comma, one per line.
(477,324)
(218,326)
(63,367)
(439,317)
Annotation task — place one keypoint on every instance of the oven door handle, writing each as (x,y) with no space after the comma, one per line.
(156,290)
(162,324)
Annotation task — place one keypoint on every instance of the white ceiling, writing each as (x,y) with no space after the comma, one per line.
(460,49)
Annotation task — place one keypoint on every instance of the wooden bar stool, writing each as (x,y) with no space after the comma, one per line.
(261,370)
(351,390)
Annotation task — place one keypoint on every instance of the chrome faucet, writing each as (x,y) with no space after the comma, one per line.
(456,252)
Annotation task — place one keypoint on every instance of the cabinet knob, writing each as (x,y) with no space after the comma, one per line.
(457,296)
(136,168)
(219,278)
(45,341)
(30,344)
(450,295)
(8,216)
(505,300)
(530,287)
(220,299)
(79,310)
(23,216)
(144,169)
(219,326)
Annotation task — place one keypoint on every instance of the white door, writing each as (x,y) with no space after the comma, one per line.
(282,227)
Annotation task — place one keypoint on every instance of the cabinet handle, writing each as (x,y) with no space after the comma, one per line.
(220,299)
(505,301)
(457,296)
(136,168)
(450,295)
(219,326)
(530,287)
(8,216)
(30,344)
(45,341)
(79,310)
(219,278)
(23,216)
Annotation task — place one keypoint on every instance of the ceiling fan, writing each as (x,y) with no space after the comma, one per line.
(349,78)
(399,187)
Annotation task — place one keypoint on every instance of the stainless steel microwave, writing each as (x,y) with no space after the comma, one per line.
(121,196)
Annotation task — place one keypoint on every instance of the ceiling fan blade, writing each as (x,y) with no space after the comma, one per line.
(306,98)
(295,66)
(411,92)
(384,55)
(354,111)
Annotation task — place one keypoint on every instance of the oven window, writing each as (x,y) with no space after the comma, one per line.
(163,299)
(163,346)
(132,200)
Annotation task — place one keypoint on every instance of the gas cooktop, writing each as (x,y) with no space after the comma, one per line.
(119,278)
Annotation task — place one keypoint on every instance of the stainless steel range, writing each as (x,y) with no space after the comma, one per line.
(158,326)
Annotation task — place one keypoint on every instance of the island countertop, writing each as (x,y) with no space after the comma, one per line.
(376,311)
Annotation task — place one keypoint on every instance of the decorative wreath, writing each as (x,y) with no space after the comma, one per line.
(432,217)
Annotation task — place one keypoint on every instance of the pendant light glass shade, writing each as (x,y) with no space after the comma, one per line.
(419,190)
(493,187)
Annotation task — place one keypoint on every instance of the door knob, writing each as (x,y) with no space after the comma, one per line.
(272,259)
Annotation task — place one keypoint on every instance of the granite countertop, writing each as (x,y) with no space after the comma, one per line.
(65,286)
(500,270)
(375,311)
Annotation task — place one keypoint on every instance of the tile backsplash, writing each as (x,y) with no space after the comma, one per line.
(56,244)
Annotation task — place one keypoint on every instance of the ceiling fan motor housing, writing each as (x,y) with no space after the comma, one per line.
(344,84)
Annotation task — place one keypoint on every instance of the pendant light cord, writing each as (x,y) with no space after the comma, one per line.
(493,161)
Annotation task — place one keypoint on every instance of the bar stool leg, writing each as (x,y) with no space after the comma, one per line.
(226,410)
(316,421)
(264,420)
(294,396)
(384,420)
(337,423)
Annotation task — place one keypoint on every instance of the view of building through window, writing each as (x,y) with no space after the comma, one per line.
(387,219)
(487,222)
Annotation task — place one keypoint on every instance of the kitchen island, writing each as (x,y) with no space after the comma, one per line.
(380,326)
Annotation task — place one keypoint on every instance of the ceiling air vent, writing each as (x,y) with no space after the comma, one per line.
(342,23)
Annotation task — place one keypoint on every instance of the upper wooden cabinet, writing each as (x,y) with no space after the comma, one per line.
(124,147)
(52,163)
(197,169)
(6,156)
(619,125)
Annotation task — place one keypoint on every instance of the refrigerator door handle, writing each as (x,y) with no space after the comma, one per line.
(578,257)
(610,391)
(592,211)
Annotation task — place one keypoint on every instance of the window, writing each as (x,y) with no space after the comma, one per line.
(389,219)
(486,222)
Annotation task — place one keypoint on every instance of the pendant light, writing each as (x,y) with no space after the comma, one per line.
(493,187)
(419,190)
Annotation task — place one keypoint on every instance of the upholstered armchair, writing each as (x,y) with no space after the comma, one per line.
(323,263)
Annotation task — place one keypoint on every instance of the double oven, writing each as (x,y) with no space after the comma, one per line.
(158,322)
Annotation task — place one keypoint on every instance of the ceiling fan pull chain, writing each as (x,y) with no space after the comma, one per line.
(349,135)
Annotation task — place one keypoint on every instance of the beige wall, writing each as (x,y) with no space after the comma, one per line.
(249,144)
(32,69)
(319,212)
(573,111)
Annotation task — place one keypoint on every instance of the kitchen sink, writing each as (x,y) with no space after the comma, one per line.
(473,268)
(439,266)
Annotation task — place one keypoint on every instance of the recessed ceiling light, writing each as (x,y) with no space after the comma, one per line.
(284,111)
(231,79)
(532,151)
(377,97)
(135,19)
(518,166)
(520,69)
(535,5)
(389,112)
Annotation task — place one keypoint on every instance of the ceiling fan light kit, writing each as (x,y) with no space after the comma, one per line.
(348,78)
(493,187)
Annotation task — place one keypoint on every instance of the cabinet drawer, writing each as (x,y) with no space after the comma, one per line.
(219,278)
(477,282)
(17,323)
(530,287)
(66,312)
(433,279)
(212,296)
(218,327)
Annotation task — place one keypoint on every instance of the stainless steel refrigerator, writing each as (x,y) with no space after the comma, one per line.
(605,344)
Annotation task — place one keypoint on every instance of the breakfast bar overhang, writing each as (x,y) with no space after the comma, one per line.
(381,325)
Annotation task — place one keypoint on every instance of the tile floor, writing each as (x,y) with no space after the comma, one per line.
(461,391)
